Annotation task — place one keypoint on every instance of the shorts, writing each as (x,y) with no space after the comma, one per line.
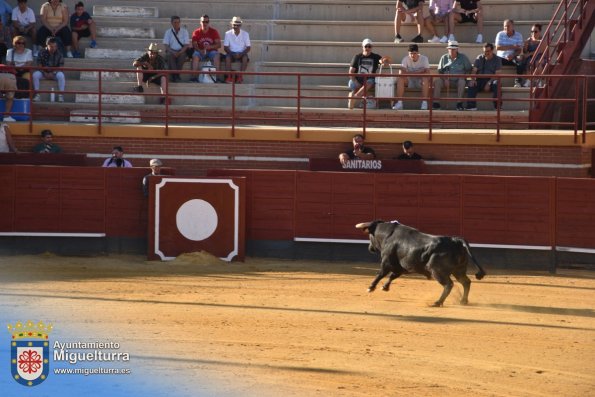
(147,76)
(414,82)
(352,86)
(209,55)
(233,59)
(468,18)
(8,84)
(425,13)
(83,33)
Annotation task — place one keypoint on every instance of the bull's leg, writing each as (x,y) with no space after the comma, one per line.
(446,282)
(466,283)
(385,268)
(393,275)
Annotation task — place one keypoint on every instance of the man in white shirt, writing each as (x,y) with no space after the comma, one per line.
(414,62)
(237,46)
(23,22)
(177,47)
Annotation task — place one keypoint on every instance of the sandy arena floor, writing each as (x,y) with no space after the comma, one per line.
(281,328)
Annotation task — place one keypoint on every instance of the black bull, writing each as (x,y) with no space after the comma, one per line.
(404,249)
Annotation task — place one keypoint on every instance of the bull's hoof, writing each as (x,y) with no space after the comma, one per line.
(464,301)
(371,289)
(437,304)
(386,287)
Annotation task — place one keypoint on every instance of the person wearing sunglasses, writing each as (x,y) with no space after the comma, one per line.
(206,42)
(529,48)
(237,46)
(364,65)
(19,57)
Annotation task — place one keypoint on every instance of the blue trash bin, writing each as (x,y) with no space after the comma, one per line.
(18,106)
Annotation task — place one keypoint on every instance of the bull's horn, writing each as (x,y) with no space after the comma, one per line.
(363,225)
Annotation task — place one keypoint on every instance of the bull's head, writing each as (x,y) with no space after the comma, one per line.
(370,228)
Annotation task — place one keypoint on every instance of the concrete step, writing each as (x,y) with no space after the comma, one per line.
(107,116)
(124,32)
(138,11)
(117,53)
(110,98)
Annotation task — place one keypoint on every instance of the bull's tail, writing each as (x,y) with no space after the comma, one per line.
(480,271)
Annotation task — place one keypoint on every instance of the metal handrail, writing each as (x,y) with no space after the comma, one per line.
(296,117)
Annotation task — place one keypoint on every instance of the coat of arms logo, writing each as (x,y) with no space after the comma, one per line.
(29,352)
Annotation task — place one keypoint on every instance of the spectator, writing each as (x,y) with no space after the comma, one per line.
(117,159)
(486,63)
(358,151)
(19,57)
(408,152)
(452,63)
(82,25)
(365,62)
(23,23)
(155,165)
(50,58)
(5,28)
(6,142)
(206,43)
(177,47)
(237,46)
(54,19)
(414,9)
(529,49)
(509,45)
(468,11)
(147,65)
(46,145)
(413,63)
(8,86)
(440,11)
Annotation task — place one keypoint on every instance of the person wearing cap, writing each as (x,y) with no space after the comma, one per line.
(177,47)
(147,66)
(486,63)
(365,62)
(452,63)
(419,12)
(236,45)
(414,62)
(48,60)
(408,152)
(117,159)
(46,145)
(358,151)
(155,165)
(206,42)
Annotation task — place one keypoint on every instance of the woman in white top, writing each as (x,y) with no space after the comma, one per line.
(20,56)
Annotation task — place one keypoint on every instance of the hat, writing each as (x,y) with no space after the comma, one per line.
(366,42)
(153,47)
(453,45)
(45,133)
(236,21)
(407,144)
(155,163)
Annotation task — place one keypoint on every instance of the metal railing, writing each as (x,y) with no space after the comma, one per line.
(246,105)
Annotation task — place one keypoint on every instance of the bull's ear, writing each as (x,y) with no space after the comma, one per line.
(363,226)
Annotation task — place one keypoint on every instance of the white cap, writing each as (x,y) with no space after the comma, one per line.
(453,45)
(366,42)
(155,163)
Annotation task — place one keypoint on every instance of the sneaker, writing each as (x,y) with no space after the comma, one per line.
(398,105)
(60,98)
(460,106)
(76,54)
(93,44)
(444,39)
(229,80)
(424,105)
(517,84)
(452,37)
(398,39)
(527,83)
(436,106)
(138,88)
(36,98)
(471,108)
(69,54)
(194,80)
(9,119)
(418,39)
(434,39)
(479,39)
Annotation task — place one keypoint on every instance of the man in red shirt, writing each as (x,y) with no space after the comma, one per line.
(206,43)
